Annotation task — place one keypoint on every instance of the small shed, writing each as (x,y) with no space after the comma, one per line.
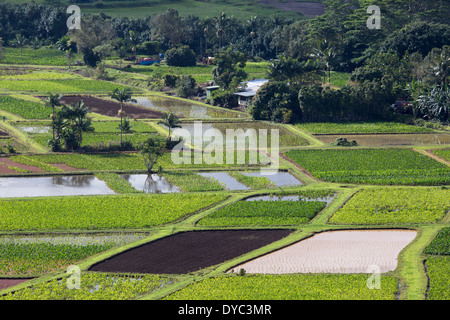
(249,90)
(210,89)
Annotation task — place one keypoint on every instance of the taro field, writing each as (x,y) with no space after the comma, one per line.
(181,229)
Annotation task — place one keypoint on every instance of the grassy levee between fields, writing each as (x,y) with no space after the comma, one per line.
(22,137)
(411,260)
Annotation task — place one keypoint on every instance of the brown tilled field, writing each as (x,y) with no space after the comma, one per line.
(111,108)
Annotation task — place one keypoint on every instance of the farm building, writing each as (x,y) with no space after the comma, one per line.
(250,88)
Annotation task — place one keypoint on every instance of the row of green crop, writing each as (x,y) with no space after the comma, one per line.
(127,161)
(99,126)
(264,213)
(443,153)
(43,56)
(35,255)
(288,287)
(25,109)
(93,286)
(438,266)
(62,86)
(192,182)
(97,162)
(372,166)
(394,206)
(101,212)
(98,140)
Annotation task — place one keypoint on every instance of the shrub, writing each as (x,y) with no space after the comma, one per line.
(182,56)
(224,99)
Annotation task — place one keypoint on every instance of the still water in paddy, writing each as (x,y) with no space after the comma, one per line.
(52,186)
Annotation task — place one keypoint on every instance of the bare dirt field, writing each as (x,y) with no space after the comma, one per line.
(111,108)
(6,283)
(5,162)
(308,9)
(189,251)
(352,251)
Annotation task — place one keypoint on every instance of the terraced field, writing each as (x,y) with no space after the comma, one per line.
(211,218)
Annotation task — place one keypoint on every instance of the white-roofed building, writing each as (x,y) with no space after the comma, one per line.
(250,88)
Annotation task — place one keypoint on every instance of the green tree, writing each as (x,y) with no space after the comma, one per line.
(185,86)
(151,149)
(79,122)
(276,101)
(53,100)
(36,44)
(170,120)
(122,95)
(229,69)
(182,56)
(19,42)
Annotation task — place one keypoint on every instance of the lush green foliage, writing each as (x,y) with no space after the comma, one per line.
(288,287)
(265,213)
(253,182)
(373,166)
(394,205)
(441,243)
(324,104)
(192,182)
(276,101)
(116,182)
(93,286)
(98,140)
(42,56)
(23,108)
(439,273)
(63,86)
(34,255)
(443,153)
(111,212)
(180,57)
(360,127)
(114,126)
(98,162)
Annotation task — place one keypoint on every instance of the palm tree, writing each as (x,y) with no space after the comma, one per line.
(19,42)
(170,120)
(53,100)
(80,122)
(221,24)
(36,44)
(326,53)
(122,95)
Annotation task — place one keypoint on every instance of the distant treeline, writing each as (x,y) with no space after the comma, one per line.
(343,27)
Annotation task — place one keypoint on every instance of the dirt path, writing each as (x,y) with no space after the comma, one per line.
(5,162)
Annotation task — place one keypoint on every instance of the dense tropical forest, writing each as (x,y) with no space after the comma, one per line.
(406,59)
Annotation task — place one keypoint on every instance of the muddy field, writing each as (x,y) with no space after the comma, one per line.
(189,251)
(3,133)
(308,9)
(5,162)
(336,252)
(111,108)
(6,283)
